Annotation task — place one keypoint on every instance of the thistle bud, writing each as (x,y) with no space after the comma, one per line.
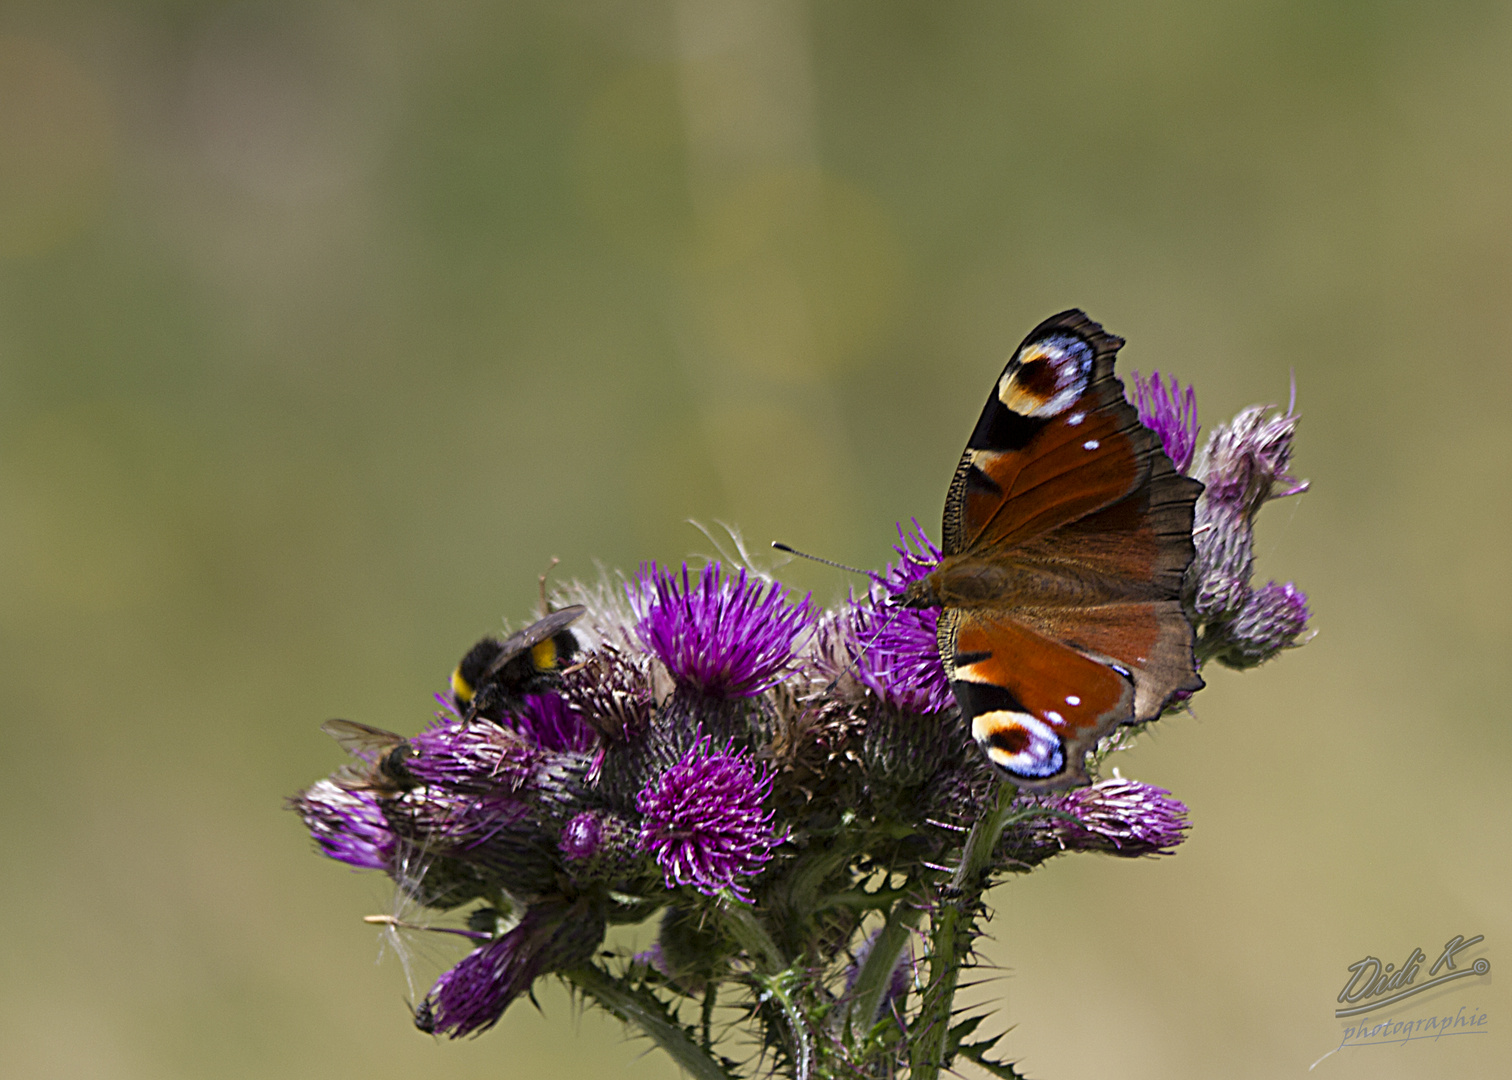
(1273,618)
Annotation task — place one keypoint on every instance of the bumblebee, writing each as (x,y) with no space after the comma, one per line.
(494,675)
(382,754)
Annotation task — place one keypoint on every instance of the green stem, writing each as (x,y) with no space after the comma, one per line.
(642,1009)
(876,974)
(951,926)
(778,988)
(706,1028)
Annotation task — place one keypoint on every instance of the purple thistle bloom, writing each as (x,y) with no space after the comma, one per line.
(551,723)
(1170,414)
(348,825)
(476,758)
(704,819)
(470,998)
(729,636)
(1272,619)
(899,657)
(473,995)
(1123,817)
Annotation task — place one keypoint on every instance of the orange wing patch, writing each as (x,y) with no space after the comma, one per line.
(1034,705)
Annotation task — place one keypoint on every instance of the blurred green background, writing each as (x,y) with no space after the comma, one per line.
(324,326)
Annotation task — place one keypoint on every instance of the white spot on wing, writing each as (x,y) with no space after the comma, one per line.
(1091,444)
(1072,700)
(1076,418)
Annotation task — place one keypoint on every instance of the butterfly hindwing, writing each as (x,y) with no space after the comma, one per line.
(1034,705)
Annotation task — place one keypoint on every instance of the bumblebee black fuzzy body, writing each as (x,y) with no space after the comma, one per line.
(495,675)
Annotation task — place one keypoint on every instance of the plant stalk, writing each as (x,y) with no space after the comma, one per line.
(951,930)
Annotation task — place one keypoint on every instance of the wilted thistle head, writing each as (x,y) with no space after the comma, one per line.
(1245,464)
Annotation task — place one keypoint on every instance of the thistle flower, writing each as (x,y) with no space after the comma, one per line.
(581,837)
(728,636)
(550,722)
(611,692)
(1272,619)
(1123,817)
(1170,414)
(470,998)
(347,825)
(704,819)
(714,719)
(476,758)
(600,845)
(894,650)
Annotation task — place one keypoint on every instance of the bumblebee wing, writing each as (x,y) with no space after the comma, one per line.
(359,740)
(534,634)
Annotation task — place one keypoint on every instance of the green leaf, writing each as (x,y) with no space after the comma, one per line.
(977,1051)
(642,1008)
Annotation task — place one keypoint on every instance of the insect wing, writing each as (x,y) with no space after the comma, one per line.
(360,740)
(533,635)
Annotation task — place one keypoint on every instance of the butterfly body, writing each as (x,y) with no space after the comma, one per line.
(1067,533)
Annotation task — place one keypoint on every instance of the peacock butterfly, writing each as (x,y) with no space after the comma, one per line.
(1067,532)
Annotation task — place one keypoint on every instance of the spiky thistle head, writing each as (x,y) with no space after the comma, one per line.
(726,635)
(705,820)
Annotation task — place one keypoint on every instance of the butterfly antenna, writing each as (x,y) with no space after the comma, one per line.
(815,558)
(890,601)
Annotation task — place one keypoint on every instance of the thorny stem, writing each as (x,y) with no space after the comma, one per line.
(634,1007)
(706,1025)
(951,936)
(778,988)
